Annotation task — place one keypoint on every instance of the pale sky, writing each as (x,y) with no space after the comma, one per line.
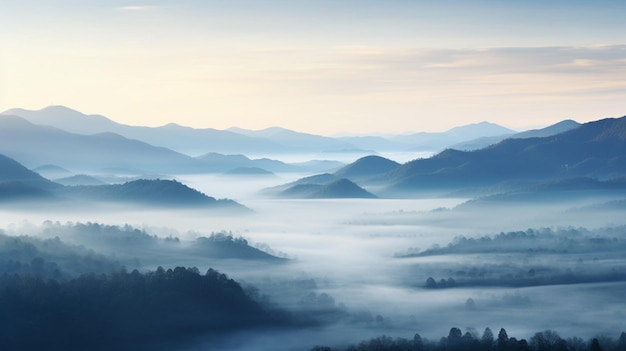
(317,66)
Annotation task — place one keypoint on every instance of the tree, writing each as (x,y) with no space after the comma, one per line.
(454,337)
(418,343)
(547,340)
(503,339)
(523,345)
(621,343)
(595,345)
(576,344)
(487,339)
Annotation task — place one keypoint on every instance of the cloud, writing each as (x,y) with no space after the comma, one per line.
(136,8)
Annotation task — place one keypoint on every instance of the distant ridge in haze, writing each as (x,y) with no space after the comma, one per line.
(274,140)
(183,139)
(25,141)
(66,119)
(442,140)
(595,149)
(52,171)
(80,179)
(482,142)
(295,139)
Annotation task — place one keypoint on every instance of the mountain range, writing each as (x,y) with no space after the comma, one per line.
(274,140)
(66,139)
(479,143)
(595,150)
(92,144)
(38,145)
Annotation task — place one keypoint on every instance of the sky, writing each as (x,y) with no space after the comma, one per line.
(317,66)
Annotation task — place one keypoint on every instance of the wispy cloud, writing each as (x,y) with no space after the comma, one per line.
(136,8)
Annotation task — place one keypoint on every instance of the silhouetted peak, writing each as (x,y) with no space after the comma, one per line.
(366,166)
(60,109)
(484,127)
(342,188)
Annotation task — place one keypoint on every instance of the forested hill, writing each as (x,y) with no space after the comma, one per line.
(157,192)
(160,310)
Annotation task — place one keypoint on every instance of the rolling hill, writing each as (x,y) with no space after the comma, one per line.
(362,170)
(366,167)
(570,190)
(318,179)
(224,246)
(337,189)
(152,192)
(19,183)
(13,171)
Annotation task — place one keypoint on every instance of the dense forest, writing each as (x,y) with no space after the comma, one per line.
(125,311)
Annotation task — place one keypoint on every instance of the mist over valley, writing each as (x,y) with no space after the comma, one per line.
(154,238)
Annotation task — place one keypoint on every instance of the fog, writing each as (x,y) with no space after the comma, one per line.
(359,267)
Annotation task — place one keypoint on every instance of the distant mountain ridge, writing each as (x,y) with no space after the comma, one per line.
(482,142)
(442,140)
(273,140)
(173,136)
(24,141)
(295,139)
(595,149)
(66,119)
(563,150)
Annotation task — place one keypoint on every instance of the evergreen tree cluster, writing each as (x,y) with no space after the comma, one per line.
(124,310)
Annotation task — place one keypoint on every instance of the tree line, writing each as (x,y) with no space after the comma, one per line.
(456,340)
